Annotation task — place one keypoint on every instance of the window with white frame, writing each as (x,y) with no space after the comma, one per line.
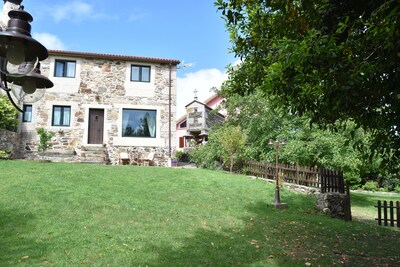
(64,68)
(61,116)
(27,113)
(139,123)
(140,73)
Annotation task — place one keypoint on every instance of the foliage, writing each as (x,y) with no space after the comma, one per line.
(332,60)
(179,154)
(232,141)
(370,186)
(397,189)
(5,154)
(66,214)
(205,157)
(343,147)
(44,139)
(225,144)
(8,114)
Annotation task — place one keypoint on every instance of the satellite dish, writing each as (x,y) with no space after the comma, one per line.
(23,97)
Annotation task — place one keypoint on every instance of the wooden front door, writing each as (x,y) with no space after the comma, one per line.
(96,126)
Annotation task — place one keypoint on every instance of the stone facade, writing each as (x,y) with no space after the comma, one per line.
(102,83)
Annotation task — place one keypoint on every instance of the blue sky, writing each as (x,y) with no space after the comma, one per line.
(188,30)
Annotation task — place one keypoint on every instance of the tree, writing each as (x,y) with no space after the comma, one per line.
(305,144)
(232,141)
(225,144)
(332,60)
(8,114)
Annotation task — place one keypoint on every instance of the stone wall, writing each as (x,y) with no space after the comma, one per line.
(10,141)
(334,204)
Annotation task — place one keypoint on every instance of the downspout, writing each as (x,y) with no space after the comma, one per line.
(169,111)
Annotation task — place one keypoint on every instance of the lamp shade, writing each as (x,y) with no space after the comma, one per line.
(16,42)
(34,78)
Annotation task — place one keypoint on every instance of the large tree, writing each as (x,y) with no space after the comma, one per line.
(333,60)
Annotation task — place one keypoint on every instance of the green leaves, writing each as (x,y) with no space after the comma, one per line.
(8,114)
(332,60)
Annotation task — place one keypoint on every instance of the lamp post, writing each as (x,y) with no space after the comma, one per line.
(20,54)
(277,202)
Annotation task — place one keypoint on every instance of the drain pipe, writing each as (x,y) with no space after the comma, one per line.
(169,112)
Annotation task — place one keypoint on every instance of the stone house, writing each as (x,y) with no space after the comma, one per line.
(194,126)
(103,105)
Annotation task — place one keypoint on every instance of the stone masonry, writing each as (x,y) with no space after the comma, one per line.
(103,82)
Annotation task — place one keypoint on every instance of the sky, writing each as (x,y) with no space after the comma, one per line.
(191,31)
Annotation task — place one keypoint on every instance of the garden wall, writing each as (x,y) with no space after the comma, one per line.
(9,141)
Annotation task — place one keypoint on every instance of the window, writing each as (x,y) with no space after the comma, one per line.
(64,68)
(140,73)
(61,116)
(139,123)
(27,113)
(182,125)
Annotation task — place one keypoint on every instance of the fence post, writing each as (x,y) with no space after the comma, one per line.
(391,207)
(398,213)
(297,173)
(347,205)
(379,213)
(385,213)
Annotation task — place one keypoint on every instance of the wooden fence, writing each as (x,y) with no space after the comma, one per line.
(327,180)
(388,213)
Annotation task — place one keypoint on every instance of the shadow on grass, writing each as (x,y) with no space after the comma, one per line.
(291,237)
(15,247)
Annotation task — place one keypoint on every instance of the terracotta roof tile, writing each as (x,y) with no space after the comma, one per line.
(113,56)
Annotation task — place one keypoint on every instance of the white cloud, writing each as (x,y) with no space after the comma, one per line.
(203,81)
(77,11)
(49,41)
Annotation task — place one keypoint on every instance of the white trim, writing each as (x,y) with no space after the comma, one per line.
(140,89)
(137,141)
(65,84)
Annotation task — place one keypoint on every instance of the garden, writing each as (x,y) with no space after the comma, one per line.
(58,214)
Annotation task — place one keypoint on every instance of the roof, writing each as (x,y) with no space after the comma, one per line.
(113,57)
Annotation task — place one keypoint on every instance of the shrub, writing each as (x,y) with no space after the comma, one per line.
(397,189)
(8,114)
(5,154)
(370,186)
(44,138)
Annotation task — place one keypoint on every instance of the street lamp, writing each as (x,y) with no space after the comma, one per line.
(277,202)
(20,54)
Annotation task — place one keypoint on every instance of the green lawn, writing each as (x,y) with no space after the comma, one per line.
(54,214)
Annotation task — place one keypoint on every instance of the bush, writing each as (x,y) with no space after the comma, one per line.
(370,186)
(397,189)
(44,138)
(5,154)
(204,157)
(8,114)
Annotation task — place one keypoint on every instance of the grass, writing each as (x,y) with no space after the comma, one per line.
(363,204)
(54,214)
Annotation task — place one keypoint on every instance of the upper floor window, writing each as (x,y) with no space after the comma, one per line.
(182,125)
(64,68)
(27,113)
(61,116)
(140,73)
(139,123)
